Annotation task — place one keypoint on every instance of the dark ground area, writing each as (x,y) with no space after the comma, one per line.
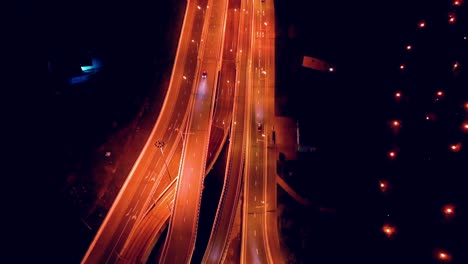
(54,128)
(344,115)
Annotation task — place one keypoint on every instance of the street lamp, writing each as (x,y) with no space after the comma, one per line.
(160,144)
(195,42)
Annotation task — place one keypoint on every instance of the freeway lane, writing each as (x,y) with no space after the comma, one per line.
(271,218)
(260,242)
(138,247)
(233,105)
(224,101)
(253,248)
(180,240)
(148,173)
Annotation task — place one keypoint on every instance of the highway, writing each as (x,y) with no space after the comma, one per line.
(139,245)
(182,230)
(271,217)
(154,167)
(260,242)
(224,100)
(197,114)
(234,57)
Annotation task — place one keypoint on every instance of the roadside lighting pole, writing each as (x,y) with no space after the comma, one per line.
(196,43)
(160,144)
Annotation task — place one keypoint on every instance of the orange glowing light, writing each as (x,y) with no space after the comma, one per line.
(456,3)
(465,126)
(383,186)
(430,116)
(466,106)
(455,65)
(440,93)
(451,18)
(396,123)
(444,256)
(455,147)
(398,95)
(448,210)
(392,154)
(408,47)
(422,24)
(402,67)
(388,230)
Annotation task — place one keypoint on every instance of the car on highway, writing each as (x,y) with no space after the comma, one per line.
(203,75)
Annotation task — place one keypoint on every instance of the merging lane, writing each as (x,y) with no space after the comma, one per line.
(260,241)
(180,240)
(233,58)
(148,176)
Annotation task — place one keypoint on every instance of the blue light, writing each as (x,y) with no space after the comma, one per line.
(78,79)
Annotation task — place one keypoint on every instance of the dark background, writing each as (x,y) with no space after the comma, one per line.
(346,112)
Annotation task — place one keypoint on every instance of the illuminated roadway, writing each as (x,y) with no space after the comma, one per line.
(224,101)
(139,245)
(131,229)
(181,235)
(276,253)
(260,242)
(149,176)
(234,56)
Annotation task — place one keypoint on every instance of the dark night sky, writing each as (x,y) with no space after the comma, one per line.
(362,38)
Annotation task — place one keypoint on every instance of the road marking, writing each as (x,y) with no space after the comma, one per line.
(256,154)
(257,251)
(255,198)
(256,167)
(255,232)
(184,219)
